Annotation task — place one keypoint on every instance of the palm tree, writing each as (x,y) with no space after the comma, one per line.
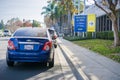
(68,7)
(55,11)
(49,10)
(61,12)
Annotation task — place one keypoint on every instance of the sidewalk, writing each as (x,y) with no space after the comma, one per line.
(95,66)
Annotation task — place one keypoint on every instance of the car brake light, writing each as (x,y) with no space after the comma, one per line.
(11,45)
(55,36)
(47,46)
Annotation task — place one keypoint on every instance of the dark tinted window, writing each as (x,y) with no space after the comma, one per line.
(6,31)
(51,32)
(31,32)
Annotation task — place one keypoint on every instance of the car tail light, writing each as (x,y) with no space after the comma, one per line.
(11,45)
(47,46)
(55,36)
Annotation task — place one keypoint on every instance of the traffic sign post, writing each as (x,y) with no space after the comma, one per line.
(80,23)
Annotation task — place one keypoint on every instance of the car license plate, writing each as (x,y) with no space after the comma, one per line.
(28,47)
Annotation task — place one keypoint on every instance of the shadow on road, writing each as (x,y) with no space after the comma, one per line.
(31,71)
(27,71)
(21,71)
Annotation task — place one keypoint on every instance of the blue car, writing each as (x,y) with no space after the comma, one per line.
(30,45)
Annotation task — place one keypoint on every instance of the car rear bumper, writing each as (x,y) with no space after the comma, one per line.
(42,56)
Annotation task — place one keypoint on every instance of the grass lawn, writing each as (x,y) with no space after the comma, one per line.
(103,47)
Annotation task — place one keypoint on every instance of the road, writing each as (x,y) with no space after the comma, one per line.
(35,71)
(29,71)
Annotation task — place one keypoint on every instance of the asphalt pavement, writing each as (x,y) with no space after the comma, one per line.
(93,65)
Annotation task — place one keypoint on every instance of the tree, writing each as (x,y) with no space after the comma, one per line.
(18,23)
(1,24)
(69,9)
(35,23)
(27,23)
(13,24)
(110,8)
(49,10)
(59,14)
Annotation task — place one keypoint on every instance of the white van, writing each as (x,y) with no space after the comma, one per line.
(7,32)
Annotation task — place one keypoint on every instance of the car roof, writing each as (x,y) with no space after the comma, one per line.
(32,28)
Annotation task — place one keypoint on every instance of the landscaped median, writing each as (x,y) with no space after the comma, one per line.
(103,47)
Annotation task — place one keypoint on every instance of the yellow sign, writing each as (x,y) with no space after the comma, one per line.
(91,22)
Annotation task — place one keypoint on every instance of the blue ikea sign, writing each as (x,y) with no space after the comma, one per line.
(80,23)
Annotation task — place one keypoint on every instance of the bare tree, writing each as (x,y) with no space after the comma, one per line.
(110,8)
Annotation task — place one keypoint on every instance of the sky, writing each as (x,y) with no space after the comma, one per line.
(23,9)
(89,2)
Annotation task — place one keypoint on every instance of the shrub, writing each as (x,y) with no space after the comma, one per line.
(108,35)
(89,35)
(105,35)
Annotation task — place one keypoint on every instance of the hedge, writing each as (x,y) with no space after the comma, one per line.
(105,35)
(98,35)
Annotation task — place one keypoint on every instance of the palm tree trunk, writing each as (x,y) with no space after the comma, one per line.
(69,21)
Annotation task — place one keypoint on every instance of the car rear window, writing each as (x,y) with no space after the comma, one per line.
(31,33)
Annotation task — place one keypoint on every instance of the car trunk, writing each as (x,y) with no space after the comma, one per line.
(30,44)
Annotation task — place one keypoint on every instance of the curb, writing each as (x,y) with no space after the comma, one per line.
(66,70)
(75,61)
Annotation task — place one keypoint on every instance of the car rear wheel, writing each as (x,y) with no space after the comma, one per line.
(55,45)
(10,63)
(44,64)
(51,63)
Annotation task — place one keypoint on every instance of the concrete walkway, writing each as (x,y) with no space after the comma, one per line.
(95,66)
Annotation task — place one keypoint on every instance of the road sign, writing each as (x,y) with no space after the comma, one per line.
(91,23)
(80,23)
